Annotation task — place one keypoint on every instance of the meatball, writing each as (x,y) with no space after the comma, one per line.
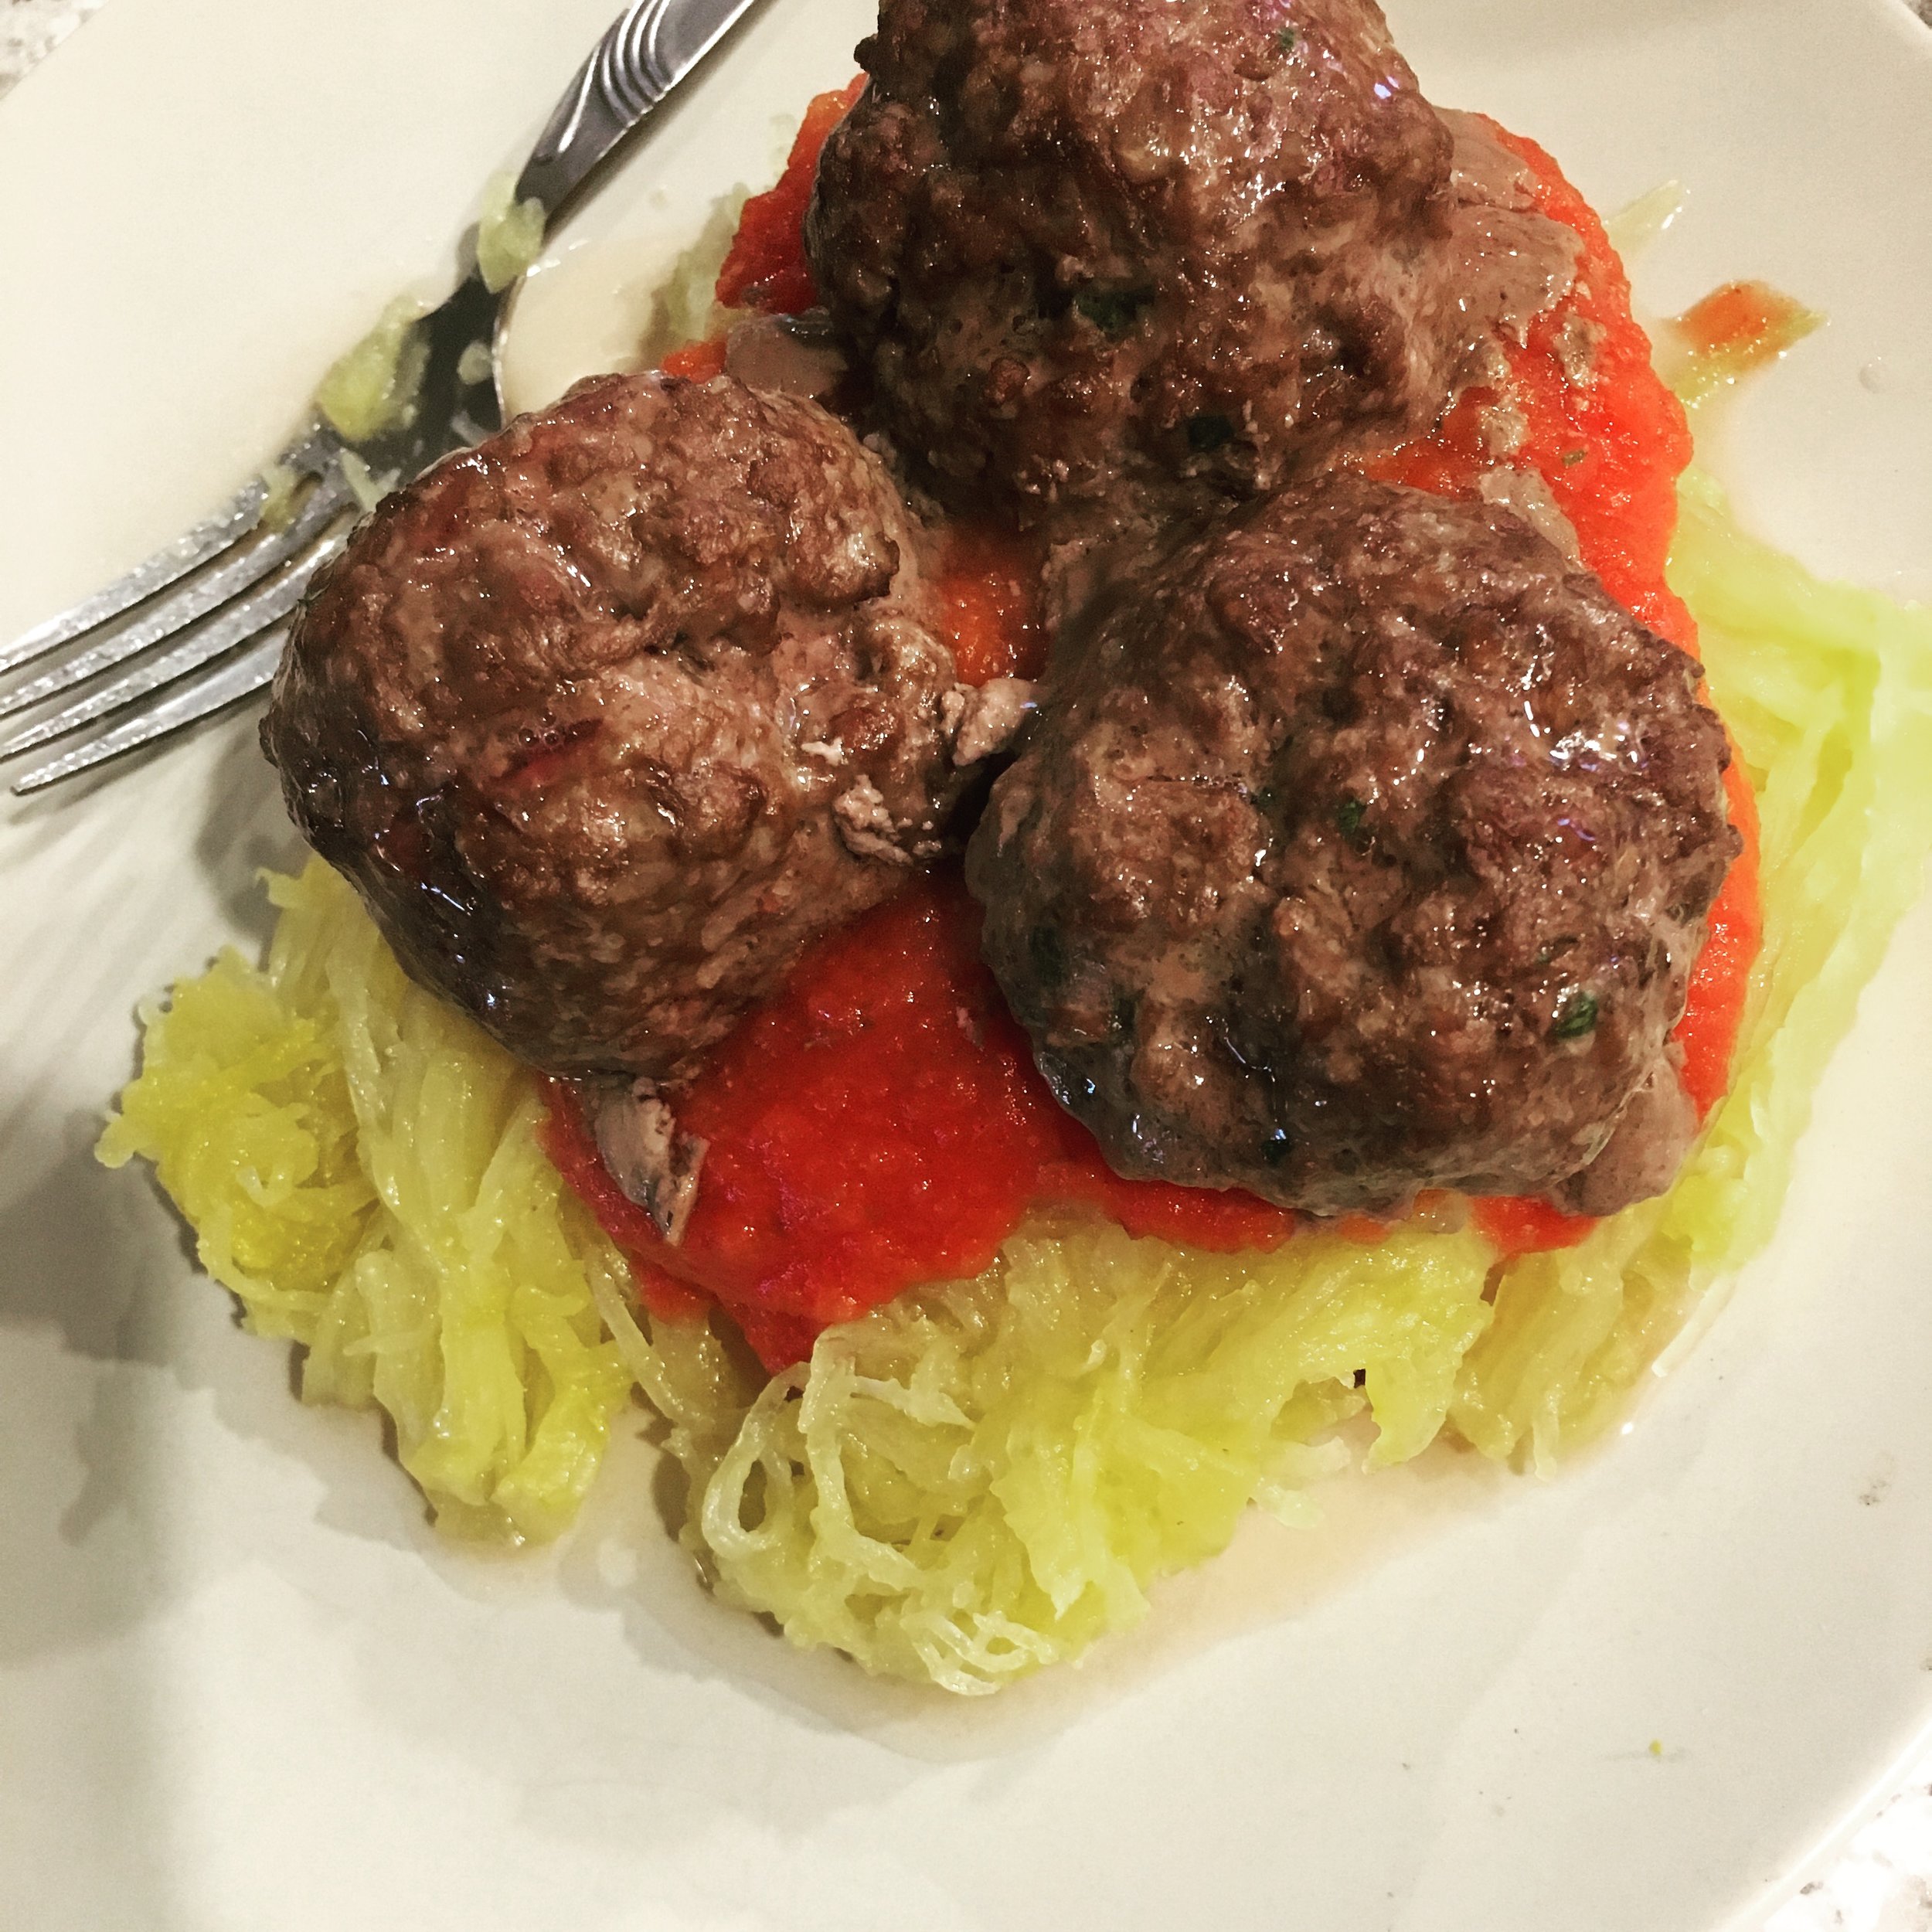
(608,717)
(1366,847)
(1077,245)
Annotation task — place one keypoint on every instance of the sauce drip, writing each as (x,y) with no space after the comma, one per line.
(1735,329)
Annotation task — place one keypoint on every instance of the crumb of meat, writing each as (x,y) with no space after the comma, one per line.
(1503,427)
(1489,365)
(1577,344)
(656,1166)
(983,720)
(866,825)
(1524,494)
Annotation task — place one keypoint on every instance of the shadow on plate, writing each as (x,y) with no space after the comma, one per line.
(624,1559)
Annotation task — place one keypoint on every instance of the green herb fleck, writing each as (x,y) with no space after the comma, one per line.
(1285,41)
(1349,817)
(1577,1017)
(1207,434)
(1113,310)
(1573,457)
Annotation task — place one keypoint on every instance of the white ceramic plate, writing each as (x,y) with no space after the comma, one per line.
(244,1687)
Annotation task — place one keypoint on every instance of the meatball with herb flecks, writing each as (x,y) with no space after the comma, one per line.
(608,717)
(1082,249)
(1365,847)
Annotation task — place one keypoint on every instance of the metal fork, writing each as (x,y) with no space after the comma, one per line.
(201,623)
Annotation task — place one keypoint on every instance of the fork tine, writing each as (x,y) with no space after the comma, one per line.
(235,625)
(311,454)
(241,676)
(207,539)
(327,501)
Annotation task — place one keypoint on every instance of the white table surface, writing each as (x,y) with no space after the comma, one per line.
(1882,1883)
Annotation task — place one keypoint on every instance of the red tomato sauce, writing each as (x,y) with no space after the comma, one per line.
(989,603)
(1721,982)
(767,269)
(1514,1225)
(880,1122)
(696,362)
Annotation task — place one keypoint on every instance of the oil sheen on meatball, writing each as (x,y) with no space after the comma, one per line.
(610,716)
(1367,847)
(1080,246)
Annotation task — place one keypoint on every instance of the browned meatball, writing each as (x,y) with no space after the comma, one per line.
(1367,848)
(1080,244)
(608,717)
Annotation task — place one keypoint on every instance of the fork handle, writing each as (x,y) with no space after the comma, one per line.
(628,73)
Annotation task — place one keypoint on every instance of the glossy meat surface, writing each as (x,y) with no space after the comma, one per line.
(610,716)
(1366,847)
(1079,248)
